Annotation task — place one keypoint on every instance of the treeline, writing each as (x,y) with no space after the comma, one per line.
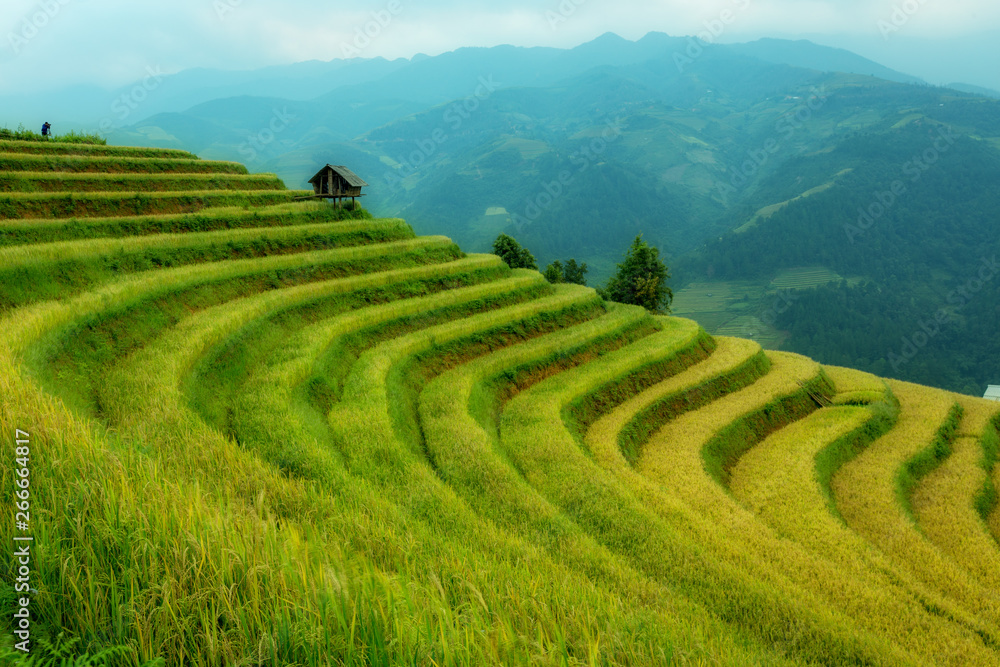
(948,342)
(641,279)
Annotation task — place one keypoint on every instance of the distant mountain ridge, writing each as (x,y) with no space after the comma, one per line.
(311,80)
(975,90)
(804,53)
(731,164)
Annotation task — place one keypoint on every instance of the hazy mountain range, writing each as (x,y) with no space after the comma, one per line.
(742,162)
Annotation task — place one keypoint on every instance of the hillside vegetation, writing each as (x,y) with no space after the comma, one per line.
(805,187)
(265,432)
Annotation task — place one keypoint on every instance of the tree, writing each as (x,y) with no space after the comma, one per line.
(570,272)
(511,252)
(641,279)
(554,272)
(575,273)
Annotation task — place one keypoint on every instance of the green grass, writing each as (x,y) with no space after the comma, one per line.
(42,182)
(43,271)
(361,322)
(23,232)
(458,410)
(927,460)
(73,137)
(98,204)
(56,147)
(70,360)
(437,509)
(986,499)
(109,164)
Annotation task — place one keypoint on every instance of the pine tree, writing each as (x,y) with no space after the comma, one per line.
(641,279)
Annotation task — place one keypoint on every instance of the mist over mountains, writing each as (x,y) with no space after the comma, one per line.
(741,162)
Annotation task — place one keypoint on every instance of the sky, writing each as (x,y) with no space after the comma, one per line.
(53,43)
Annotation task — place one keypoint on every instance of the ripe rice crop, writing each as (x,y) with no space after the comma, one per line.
(729,426)
(873,494)
(778,480)
(855,387)
(734,364)
(553,463)
(700,506)
(944,502)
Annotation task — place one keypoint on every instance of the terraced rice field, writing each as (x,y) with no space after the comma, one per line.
(804,278)
(262,432)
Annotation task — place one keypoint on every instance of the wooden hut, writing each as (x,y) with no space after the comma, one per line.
(336,182)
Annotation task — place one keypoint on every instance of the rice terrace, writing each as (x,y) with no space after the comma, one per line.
(248,430)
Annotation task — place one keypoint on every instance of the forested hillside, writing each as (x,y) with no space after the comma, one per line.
(912,216)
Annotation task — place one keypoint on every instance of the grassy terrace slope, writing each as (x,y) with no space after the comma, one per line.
(259,432)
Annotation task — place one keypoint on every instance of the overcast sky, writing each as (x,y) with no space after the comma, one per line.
(49,43)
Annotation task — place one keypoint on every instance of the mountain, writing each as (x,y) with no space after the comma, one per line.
(804,53)
(975,90)
(85,107)
(575,152)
